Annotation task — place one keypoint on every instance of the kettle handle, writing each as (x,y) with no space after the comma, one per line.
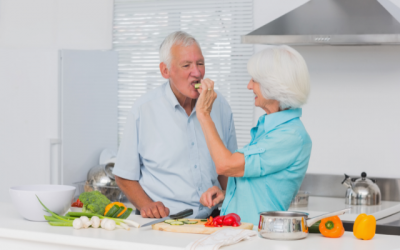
(345,178)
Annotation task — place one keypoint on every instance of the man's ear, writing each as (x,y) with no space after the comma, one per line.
(164,70)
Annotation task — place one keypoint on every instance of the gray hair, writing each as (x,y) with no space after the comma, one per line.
(176,38)
(282,74)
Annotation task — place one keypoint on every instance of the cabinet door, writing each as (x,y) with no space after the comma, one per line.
(88,105)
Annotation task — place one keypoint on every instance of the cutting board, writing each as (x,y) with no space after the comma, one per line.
(198,228)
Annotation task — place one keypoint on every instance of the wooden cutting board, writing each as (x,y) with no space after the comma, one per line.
(198,228)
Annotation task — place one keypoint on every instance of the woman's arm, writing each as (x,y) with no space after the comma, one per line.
(226,163)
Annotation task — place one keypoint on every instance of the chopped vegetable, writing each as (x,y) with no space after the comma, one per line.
(231,219)
(110,212)
(94,202)
(77,203)
(364,227)
(118,212)
(314,229)
(197,85)
(126,214)
(176,223)
(190,222)
(331,227)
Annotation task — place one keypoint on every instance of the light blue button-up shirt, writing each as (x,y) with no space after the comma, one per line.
(276,160)
(165,150)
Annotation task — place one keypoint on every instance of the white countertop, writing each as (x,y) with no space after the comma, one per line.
(14,227)
(320,205)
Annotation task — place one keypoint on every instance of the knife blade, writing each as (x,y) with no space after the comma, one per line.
(180,215)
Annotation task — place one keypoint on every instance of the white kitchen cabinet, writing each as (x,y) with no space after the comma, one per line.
(58,111)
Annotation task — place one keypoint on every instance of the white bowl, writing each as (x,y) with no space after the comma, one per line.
(57,198)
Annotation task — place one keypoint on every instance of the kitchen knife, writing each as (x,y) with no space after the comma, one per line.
(180,215)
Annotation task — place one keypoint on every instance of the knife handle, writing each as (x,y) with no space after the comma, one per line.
(182,214)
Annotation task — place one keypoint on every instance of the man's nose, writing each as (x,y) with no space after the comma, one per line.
(196,71)
(250,86)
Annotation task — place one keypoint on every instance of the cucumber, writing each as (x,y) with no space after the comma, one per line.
(112,211)
(197,85)
(169,221)
(314,229)
(121,208)
(176,223)
(183,220)
(204,220)
(126,214)
(190,222)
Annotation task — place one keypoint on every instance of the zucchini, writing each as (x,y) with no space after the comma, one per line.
(197,85)
(112,211)
(121,208)
(126,214)
(203,220)
(190,222)
(176,223)
(314,229)
(169,221)
(183,220)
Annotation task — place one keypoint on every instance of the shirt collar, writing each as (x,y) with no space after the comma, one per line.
(170,95)
(273,120)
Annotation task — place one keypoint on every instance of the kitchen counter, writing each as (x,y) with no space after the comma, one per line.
(18,233)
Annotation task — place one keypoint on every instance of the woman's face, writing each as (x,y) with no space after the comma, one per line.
(268,105)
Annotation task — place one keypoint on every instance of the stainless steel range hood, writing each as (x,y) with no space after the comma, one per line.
(331,22)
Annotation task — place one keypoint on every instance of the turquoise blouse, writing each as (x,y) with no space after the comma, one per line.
(276,160)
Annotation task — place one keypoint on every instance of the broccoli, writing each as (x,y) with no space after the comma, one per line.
(94,202)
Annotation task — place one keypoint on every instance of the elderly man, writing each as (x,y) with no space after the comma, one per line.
(163,164)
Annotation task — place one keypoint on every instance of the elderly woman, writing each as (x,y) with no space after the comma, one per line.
(267,173)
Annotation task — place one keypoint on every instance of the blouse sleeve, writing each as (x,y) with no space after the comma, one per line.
(275,152)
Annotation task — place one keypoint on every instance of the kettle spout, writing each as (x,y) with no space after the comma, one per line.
(347,181)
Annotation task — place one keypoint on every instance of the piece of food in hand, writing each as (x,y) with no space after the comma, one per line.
(197,85)
(364,227)
(331,227)
(77,203)
(94,202)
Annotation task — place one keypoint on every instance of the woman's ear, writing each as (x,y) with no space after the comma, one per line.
(164,70)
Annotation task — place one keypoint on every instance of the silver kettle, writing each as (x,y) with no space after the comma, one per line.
(361,191)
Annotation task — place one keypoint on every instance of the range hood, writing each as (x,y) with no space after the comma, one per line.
(331,22)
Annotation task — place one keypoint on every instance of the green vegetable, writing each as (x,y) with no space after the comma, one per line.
(126,214)
(314,229)
(190,222)
(118,212)
(196,86)
(203,220)
(112,211)
(94,202)
(176,223)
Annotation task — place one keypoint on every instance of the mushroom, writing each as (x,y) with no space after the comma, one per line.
(77,223)
(108,224)
(95,221)
(85,221)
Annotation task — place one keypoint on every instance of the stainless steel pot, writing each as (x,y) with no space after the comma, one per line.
(287,225)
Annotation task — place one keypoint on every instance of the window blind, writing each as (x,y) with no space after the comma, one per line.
(141,26)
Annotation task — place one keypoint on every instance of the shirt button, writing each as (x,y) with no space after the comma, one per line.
(195,166)
(199,188)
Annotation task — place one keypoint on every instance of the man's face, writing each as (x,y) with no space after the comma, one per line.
(187,69)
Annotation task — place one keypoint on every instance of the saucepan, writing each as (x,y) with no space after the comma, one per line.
(287,225)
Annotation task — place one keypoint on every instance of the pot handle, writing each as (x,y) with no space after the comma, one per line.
(312,220)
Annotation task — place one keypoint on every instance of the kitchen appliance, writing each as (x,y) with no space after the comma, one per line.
(333,22)
(300,200)
(180,215)
(57,198)
(285,225)
(361,191)
(100,178)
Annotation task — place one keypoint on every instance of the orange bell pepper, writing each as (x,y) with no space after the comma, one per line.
(364,227)
(331,227)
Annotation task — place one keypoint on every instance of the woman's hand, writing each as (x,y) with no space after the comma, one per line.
(212,197)
(206,99)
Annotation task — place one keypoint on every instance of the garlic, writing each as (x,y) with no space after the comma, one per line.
(85,221)
(109,225)
(77,223)
(95,221)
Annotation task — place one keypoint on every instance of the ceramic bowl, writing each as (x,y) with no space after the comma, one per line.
(57,198)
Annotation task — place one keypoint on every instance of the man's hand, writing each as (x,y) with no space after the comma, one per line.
(154,210)
(212,197)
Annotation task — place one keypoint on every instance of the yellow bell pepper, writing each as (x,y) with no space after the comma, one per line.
(364,227)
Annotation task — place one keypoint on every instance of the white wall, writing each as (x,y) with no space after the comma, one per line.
(31,33)
(353,114)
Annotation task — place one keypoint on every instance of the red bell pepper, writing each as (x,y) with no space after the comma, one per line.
(218,221)
(231,219)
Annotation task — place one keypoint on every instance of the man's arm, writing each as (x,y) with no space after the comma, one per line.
(136,195)
(223,181)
